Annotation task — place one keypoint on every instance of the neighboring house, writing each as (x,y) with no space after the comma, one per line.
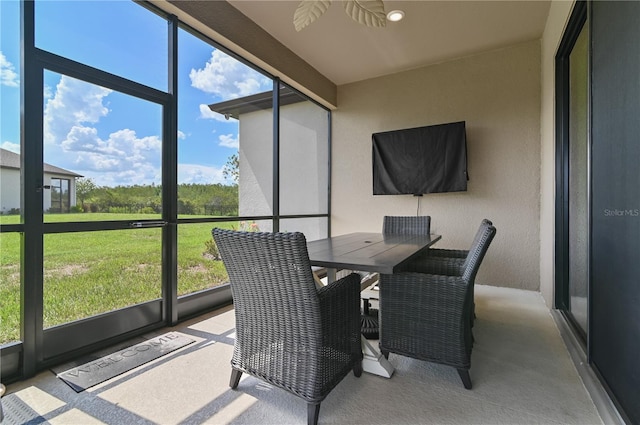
(59,196)
(303,150)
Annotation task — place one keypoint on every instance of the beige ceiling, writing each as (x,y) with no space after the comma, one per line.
(432,31)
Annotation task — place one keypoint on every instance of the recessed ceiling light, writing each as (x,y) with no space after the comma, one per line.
(395,15)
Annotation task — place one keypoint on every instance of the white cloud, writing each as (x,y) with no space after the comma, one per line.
(47,93)
(228,141)
(181,135)
(8,75)
(123,158)
(74,102)
(227,78)
(194,173)
(13,147)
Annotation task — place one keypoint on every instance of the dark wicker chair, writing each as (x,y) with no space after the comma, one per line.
(406,225)
(428,316)
(457,253)
(289,333)
(451,262)
(392,225)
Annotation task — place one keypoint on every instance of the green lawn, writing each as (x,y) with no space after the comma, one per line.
(88,273)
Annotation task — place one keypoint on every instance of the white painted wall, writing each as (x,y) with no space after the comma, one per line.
(256,164)
(559,13)
(498,95)
(303,163)
(9,189)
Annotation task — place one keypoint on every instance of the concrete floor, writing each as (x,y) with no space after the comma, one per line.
(521,372)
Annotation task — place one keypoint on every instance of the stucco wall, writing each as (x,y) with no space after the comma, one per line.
(559,13)
(498,95)
(9,189)
(303,165)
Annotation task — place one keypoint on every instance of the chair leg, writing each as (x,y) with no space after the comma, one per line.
(235,378)
(313,410)
(385,353)
(466,379)
(357,369)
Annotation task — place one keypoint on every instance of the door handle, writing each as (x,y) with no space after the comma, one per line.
(141,224)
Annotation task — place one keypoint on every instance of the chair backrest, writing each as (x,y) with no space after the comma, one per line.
(478,250)
(406,225)
(271,280)
(476,240)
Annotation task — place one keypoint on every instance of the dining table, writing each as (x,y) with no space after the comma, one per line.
(368,252)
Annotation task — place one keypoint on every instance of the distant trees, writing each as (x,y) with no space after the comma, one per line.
(193,199)
(84,188)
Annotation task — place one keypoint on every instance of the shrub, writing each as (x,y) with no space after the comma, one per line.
(211,250)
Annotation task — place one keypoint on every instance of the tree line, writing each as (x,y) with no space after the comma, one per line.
(193,199)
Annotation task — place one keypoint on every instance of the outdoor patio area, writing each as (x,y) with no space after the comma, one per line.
(521,372)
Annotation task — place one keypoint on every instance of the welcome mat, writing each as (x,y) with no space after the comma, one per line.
(96,371)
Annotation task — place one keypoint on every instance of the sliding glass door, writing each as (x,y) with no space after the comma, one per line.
(579,179)
(573,173)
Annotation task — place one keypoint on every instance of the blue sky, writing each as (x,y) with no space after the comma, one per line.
(113,138)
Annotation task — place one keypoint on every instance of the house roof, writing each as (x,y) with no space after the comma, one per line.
(260,101)
(10,159)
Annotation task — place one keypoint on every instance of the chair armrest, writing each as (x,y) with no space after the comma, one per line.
(437,265)
(425,295)
(427,317)
(452,253)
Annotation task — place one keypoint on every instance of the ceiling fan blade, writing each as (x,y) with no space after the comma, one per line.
(308,11)
(367,12)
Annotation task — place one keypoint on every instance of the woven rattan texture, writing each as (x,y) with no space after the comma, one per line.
(459,253)
(287,332)
(428,316)
(406,225)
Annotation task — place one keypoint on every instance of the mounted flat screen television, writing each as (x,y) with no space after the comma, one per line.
(420,160)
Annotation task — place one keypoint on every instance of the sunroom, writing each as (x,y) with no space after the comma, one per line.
(182,116)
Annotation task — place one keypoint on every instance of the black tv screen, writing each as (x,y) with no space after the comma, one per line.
(420,160)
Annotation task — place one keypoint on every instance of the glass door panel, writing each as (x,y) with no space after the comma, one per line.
(102,153)
(579,179)
(89,273)
(9,286)
(220,173)
(10,172)
(225,155)
(119,37)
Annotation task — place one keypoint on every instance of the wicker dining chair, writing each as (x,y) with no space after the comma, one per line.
(451,262)
(406,225)
(457,253)
(391,225)
(428,316)
(289,333)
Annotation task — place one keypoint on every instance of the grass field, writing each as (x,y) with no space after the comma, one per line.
(89,273)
